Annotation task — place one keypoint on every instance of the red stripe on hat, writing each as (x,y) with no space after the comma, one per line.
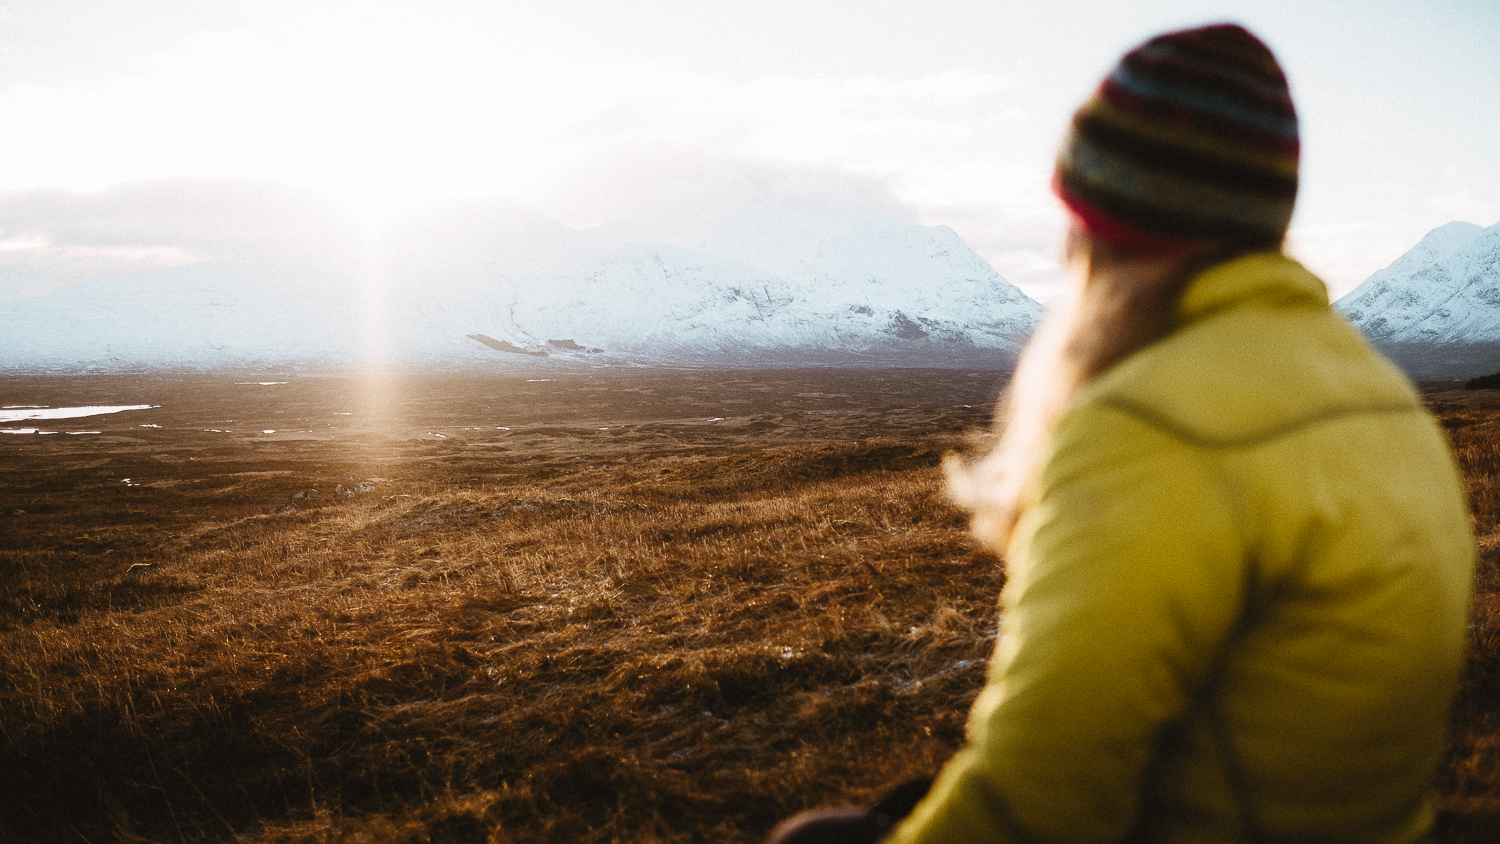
(1103,227)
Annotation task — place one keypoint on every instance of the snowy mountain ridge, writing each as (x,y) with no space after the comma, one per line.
(1436,309)
(856,290)
(1445,289)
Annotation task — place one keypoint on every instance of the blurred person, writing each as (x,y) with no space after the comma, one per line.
(1238,556)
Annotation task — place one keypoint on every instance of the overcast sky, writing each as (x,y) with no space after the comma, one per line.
(142,133)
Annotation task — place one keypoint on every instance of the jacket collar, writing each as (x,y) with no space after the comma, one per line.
(1266,278)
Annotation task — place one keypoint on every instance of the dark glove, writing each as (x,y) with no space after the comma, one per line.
(852,824)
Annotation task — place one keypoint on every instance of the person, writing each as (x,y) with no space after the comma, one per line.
(1238,555)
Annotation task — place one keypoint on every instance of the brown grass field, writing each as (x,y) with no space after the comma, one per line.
(641,606)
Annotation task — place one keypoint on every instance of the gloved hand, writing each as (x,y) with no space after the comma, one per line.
(852,824)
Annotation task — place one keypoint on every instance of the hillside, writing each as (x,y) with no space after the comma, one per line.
(860,291)
(1436,309)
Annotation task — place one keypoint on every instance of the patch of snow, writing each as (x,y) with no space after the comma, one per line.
(21,413)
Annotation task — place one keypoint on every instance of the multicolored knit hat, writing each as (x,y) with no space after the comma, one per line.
(1192,139)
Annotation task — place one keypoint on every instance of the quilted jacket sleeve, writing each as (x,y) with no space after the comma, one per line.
(1126,575)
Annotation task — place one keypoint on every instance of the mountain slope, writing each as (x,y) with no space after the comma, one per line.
(1446,289)
(241,313)
(865,290)
(875,288)
(1436,309)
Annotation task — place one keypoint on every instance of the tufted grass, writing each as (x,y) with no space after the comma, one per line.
(665,639)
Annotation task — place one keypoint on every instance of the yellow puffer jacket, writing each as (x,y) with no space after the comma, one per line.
(1236,599)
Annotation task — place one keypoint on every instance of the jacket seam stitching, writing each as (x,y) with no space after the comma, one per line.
(1159,421)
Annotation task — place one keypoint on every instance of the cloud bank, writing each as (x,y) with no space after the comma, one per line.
(665,112)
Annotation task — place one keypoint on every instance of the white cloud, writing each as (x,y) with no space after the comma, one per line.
(143,226)
(1473,195)
(381,106)
(393,107)
(678,194)
(600,112)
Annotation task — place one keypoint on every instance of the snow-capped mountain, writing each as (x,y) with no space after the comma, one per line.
(233,311)
(849,291)
(871,287)
(15,286)
(1445,290)
(1436,309)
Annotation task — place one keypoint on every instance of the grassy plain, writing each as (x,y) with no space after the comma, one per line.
(654,607)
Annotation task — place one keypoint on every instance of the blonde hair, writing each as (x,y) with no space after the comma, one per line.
(1121,302)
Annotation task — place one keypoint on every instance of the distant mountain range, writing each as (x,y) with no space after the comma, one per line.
(1436,309)
(758,289)
(760,286)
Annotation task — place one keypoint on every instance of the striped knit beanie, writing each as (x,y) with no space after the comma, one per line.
(1191,140)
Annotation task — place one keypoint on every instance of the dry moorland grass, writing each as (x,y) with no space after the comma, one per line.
(1469,783)
(674,644)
